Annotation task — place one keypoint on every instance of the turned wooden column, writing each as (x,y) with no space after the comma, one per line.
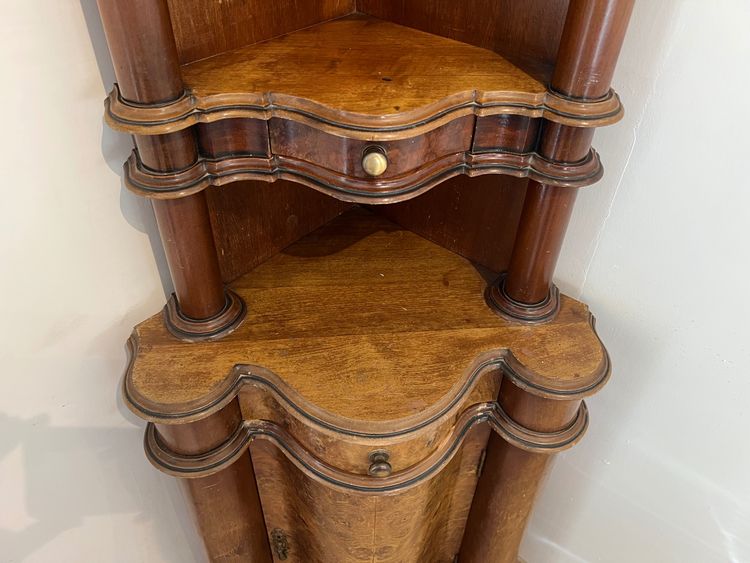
(142,44)
(226,504)
(592,38)
(510,481)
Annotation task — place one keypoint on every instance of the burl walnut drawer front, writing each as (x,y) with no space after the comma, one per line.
(357,163)
(353,449)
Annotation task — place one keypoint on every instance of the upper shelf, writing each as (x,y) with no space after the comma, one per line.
(358,76)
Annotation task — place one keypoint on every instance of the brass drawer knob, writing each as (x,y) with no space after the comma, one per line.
(374,162)
(379,466)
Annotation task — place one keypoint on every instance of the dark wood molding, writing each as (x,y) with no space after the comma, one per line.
(187,329)
(530,313)
(218,172)
(219,458)
(189,110)
(218,396)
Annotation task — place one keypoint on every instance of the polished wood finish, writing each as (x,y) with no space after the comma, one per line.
(504,499)
(415,83)
(253,221)
(347,180)
(201,309)
(468,215)
(142,78)
(362,280)
(323,524)
(507,490)
(384,399)
(474,217)
(590,46)
(526,33)
(394,313)
(194,268)
(226,505)
(204,28)
(591,42)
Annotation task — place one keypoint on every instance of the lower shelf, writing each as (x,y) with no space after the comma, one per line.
(365,381)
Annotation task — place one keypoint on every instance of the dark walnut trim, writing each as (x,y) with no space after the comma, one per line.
(218,172)
(256,376)
(213,328)
(217,459)
(189,109)
(411,305)
(507,307)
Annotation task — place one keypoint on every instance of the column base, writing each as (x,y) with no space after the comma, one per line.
(199,330)
(512,310)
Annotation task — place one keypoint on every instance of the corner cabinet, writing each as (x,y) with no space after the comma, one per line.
(362,204)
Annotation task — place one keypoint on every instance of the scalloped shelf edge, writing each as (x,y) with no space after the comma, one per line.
(206,173)
(189,466)
(189,110)
(247,374)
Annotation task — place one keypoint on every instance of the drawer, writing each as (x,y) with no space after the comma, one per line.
(354,449)
(344,161)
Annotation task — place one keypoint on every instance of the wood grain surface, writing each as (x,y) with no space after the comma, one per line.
(526,33)
(358,76)
(204,28)
(474,217)
(324,525)
(252,221)
(367,322)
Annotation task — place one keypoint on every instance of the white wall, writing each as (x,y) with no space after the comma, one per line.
(77,273)
(660,476)
(664,473)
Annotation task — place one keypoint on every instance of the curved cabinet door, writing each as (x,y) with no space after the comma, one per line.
(311,521)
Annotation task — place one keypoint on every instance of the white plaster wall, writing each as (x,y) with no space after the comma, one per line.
(662,474)
(660,250)
(78,272)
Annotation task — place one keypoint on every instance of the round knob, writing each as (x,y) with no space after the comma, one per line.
(379,466)
(375,162)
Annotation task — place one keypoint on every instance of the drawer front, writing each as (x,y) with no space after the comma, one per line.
(353,456)
(345,156)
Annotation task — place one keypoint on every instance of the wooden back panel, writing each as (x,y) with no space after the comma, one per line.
(204,28)
(525,32)
(474,217)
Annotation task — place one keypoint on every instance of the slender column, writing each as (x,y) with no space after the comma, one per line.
(142,44)
(511,479)
(227,506)
(592,38)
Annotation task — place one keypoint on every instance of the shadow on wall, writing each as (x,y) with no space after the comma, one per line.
(137,211)
(104,459)
(72,480)
(576,483)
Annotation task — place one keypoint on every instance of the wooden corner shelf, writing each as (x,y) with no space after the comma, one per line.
(369,337)
(310,105)
(335,383)
(360,77)
(348,311)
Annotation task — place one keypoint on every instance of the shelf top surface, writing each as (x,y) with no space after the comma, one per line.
(360,77)
(367,322)
(361,65)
